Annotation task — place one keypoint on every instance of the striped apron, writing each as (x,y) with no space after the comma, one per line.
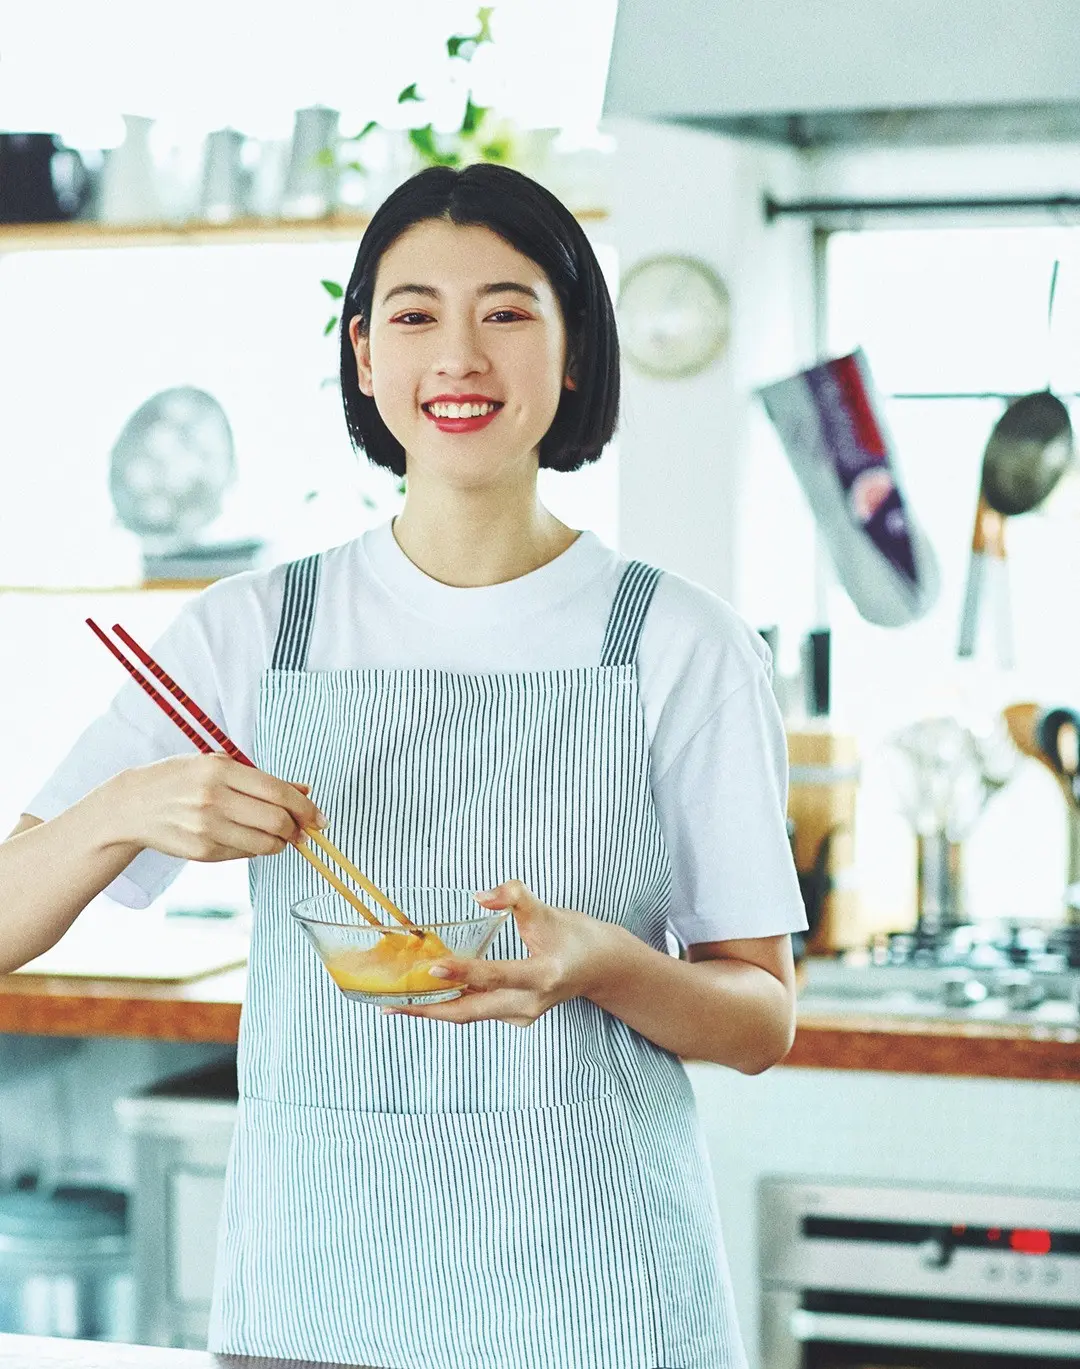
(420,1195)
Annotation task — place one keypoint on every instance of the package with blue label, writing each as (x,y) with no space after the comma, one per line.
(828,418)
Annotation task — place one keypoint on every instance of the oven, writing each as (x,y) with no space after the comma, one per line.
(857,1276)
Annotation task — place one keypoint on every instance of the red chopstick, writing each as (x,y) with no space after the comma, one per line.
(170,684)
(234,751)
(141,680)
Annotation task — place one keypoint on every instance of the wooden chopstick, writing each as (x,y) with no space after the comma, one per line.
(231,749)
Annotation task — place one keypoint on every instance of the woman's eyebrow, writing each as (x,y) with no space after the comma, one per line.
(499,287)
(428,290)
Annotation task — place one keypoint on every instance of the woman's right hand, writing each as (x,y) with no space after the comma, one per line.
(207,808)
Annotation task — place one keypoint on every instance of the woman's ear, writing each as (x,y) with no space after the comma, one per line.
(361,345)
(570,379)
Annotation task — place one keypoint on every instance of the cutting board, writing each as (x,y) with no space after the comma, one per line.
(111,942)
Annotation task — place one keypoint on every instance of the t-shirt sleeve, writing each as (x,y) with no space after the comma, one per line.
(722,805)
(135,732)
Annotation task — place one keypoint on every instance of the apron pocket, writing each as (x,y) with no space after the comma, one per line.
(438,1240)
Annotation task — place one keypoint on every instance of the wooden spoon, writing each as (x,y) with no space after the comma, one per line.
(1022,720)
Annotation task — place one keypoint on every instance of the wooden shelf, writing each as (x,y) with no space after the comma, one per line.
(40,237)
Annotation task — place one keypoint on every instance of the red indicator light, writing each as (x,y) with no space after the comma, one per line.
(994,1233)
(958,1228)
(1030,1242)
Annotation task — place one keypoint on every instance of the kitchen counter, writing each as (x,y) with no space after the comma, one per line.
(39,1352)
(208,1010)
(903,1045)
(205,1010)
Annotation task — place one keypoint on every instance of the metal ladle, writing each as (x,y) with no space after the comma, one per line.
(1027,453)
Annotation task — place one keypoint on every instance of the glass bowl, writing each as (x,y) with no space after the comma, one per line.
(388,966)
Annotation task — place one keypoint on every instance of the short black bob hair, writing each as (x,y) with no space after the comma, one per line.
(534,222)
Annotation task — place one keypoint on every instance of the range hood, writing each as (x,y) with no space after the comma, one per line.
(834,73)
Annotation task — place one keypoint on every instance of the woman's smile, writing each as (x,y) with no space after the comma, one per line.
(461,413)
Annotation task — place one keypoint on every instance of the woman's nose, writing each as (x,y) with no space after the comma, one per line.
(460,352)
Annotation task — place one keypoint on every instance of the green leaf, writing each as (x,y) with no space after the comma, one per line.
(409,93)
(354,166)
(496,152)
(331,324)
(423,139)
(473,115)
(326,156)
(332,288)
(401,485)
(483,18)
(464,45)
(371,124)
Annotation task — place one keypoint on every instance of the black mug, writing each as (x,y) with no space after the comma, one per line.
(41,181)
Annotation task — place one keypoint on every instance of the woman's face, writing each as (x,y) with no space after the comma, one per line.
(466,353)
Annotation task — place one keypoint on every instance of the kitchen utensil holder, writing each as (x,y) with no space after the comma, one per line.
(1072,879)
(940,902)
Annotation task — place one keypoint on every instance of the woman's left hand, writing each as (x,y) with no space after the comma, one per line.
(565,950)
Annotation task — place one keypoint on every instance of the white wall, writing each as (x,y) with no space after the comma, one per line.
(987,171)
(685,446)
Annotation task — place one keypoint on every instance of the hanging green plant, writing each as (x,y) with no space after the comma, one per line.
(482,135)
(475,139)
(335,291)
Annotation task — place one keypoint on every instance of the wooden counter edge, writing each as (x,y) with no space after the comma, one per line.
(208,1011)
(905,1046)
(204,1010)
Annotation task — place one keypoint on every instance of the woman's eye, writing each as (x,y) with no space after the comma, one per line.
(507,316)
(412,316)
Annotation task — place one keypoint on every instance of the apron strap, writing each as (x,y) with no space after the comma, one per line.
(297,614)
(628,610)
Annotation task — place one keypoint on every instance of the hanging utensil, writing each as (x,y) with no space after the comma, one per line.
(1052,737)
(1022,720)
(1028,451)
(1057,732)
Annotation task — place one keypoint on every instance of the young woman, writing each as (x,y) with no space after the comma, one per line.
(477,696)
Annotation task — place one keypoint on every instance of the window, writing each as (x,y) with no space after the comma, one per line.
(946,316)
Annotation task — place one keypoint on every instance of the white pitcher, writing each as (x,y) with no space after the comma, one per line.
(311,180)
(129,190)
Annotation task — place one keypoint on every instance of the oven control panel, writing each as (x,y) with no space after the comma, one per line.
(962,1244)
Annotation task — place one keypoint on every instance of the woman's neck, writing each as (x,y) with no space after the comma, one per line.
(473,538)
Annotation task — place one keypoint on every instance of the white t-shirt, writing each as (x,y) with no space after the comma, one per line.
(718,752)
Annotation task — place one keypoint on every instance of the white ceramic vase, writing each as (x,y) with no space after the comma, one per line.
(129,191)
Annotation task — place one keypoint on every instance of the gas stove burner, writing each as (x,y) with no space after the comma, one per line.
(993,973)
(1065,941)
(917,947)
(971,946)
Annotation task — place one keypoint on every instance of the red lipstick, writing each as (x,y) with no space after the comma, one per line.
(473,424)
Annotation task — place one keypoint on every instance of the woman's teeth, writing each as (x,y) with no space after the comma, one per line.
(460,410)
